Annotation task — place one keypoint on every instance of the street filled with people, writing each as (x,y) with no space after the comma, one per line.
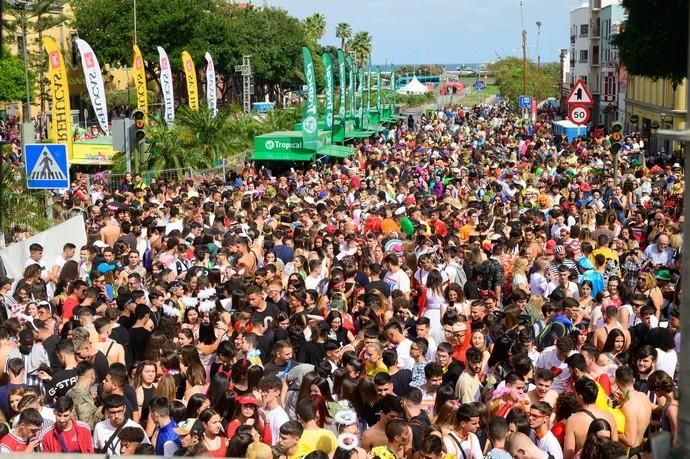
(468,284)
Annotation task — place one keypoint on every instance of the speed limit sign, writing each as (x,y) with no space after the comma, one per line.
(578,114)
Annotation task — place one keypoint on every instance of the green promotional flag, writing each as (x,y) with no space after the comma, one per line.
(351,85)
(342,83)
(310,129)
(379,91)
(360,84)
(392,99)
(369,85)
(328,89)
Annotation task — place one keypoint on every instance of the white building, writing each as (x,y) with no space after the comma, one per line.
(586,55)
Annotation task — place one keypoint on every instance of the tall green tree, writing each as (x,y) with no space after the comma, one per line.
(361,47)
(23,211)
(343,31)
(34,17)
(541,83)
(315,25)
(654,39)
(12,83)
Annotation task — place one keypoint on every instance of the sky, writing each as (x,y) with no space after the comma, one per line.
(444,31)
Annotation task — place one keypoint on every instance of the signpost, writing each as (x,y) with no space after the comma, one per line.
(578,114)
(579,95)
(47,167)
(578,101)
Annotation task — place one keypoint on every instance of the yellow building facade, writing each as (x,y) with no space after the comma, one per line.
(655,105)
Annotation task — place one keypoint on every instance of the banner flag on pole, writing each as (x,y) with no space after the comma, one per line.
(94,83)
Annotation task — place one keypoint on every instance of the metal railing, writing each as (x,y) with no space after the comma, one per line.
(112,182)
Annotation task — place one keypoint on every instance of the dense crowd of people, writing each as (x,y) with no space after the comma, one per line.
(467,285)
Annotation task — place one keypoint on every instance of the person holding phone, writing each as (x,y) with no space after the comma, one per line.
(24,438)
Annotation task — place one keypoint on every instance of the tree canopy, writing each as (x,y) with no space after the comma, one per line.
(12,84)
(269,35)
(541,83)
(654,39)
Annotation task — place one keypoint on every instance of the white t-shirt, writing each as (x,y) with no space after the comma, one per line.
(471,447)
(667,361)
(104,429)
(397,281)
(276,418)
(549,360)
(403,350)
(548,443)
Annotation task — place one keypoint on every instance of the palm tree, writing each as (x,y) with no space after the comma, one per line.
(210,137)
(315,26)
(361,47)
(344,32)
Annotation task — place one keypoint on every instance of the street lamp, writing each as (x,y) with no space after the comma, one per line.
(27,112)
(538,54)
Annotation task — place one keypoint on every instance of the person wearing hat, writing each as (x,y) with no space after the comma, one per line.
(191,433)
(247,413)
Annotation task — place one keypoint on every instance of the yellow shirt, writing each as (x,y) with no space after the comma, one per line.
(374,369)
(312,440)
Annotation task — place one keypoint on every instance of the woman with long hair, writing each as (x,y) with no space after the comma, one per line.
(247,413)
(434,303)
(172,384)
(69,273)
(145,388)
(195,375)
(455,298)
(338,332)
(216,443)
(614,345)
(196,404)
(520,275)
(663,386)
(646,285)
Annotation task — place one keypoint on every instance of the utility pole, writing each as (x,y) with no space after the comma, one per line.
(538,53)
(247,82)
(524,61)
(135,22)
(524,50)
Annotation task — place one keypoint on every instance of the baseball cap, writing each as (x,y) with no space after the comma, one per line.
(188,426)
(247,400)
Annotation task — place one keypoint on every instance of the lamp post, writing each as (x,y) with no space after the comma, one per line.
(27,111)
(538,53)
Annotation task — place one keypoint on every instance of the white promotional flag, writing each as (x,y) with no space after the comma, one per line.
(166,86)
(94,83)
(210,84)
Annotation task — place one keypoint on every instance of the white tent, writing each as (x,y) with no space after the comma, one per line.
(413,87)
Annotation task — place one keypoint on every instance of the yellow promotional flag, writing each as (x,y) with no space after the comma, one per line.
(190,76)
(140,83)
(61,121)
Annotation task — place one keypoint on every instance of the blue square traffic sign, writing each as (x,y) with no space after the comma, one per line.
(47,166)
(525,101)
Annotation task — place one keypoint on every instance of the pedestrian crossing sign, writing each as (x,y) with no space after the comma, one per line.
(47,167)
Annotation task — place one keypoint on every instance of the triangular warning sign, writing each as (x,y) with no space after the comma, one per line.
(46,168)
(580,94)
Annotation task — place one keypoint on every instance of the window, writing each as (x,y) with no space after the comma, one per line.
(584,30)
(609,85)
(584,56)
(584,79)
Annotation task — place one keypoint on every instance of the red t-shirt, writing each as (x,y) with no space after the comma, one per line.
(10,443)
(68,307)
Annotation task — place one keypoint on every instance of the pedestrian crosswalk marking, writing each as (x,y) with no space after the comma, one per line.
(46,168)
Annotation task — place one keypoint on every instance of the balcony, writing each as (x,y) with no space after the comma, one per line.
(595,32)
(596,5)
(572,39)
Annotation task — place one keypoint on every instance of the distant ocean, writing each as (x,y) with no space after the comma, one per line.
(472,66)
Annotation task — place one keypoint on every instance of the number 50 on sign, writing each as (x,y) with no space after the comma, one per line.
(578,114)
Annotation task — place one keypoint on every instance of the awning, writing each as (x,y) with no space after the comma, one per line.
(335,151)
(359,134)
(282,156)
